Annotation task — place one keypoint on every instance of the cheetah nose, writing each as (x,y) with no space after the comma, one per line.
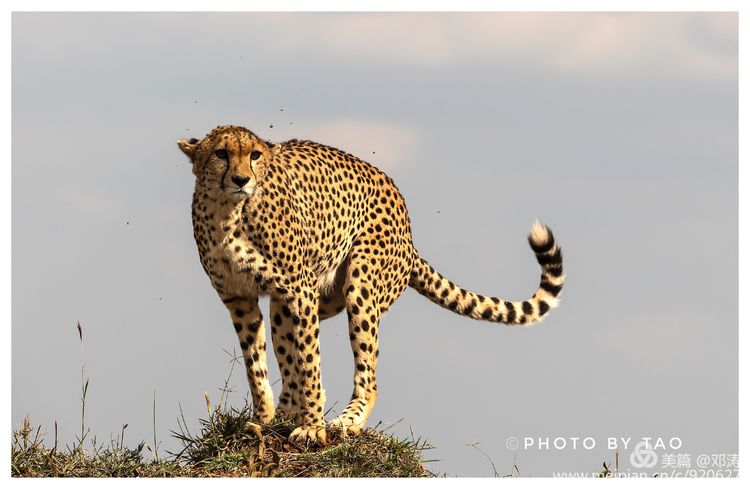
(240,181)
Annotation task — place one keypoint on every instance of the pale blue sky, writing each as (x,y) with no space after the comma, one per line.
(617,130)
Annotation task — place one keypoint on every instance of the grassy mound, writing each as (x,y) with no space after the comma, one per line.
(228,445)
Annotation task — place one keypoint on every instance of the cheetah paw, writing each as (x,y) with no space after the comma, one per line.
(308,435)
(345,426)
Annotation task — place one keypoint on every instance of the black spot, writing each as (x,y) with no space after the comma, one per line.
(527,308)
(553,259)
(554,290)
(543,308)
(511,315)
(554,271)
(487,313)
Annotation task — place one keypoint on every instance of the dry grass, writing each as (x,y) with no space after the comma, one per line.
(228,445)
(30,458)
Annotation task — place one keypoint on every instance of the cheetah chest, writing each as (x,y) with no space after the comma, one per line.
(227,257)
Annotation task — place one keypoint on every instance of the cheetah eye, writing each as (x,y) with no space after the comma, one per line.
(255,155)
(221,154)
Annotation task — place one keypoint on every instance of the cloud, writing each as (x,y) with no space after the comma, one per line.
(384,144)
(694,45)
(668,45)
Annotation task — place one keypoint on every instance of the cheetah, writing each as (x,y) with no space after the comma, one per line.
(319,231)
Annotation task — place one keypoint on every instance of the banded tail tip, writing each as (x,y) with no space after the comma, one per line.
(540,237)
(549,256)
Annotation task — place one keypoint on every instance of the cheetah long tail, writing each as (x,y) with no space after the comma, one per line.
(442,291)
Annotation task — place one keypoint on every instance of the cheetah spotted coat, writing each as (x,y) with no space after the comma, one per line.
(320,231)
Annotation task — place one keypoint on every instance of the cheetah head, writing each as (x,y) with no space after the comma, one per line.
(229,162)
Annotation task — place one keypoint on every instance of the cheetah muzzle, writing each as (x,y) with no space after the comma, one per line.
(319,231)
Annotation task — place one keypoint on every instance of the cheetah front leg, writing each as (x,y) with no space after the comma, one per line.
(248,323)
(304,313)
(282,334)
(332,302)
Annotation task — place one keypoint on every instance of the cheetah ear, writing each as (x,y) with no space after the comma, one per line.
(273,147)
(188,146)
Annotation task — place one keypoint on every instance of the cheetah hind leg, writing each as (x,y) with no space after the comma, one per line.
(363,309)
